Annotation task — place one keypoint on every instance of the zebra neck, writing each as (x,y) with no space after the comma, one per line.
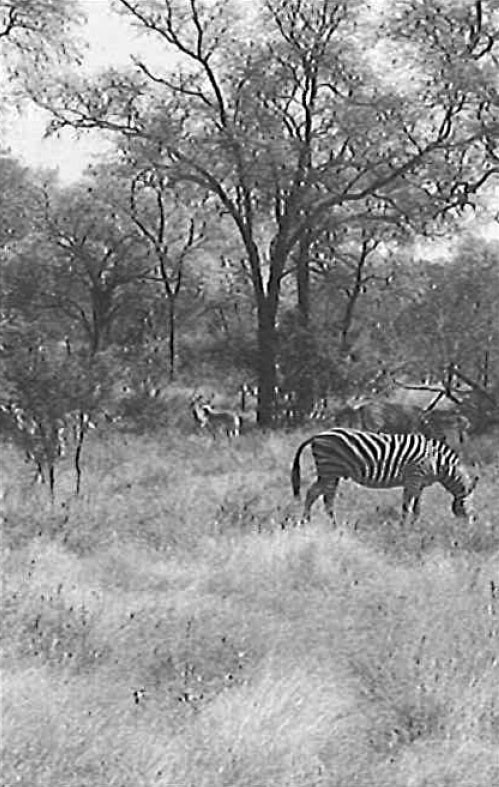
(454,479)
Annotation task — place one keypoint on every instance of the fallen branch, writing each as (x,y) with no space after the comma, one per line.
(475,386)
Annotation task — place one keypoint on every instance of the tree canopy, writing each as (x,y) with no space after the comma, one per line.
(315,135)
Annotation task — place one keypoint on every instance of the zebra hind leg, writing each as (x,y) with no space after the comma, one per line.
(315,491)
(326,488)
(329,497)
(406,508)
(411,504)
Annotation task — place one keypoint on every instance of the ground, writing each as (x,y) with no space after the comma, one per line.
(172,626)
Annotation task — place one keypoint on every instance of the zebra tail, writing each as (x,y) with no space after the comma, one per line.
(295,470)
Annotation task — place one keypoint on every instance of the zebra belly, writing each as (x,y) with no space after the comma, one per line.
(372,483)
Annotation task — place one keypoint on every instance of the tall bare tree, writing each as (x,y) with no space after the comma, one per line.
(299,126)
(98,255)
(171,232)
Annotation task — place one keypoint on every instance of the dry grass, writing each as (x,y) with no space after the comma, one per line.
(165,629)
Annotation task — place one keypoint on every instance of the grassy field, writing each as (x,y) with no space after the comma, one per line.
(171,627)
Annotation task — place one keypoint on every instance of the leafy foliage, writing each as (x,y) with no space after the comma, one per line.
(453,317)
(277,182)
(36,30)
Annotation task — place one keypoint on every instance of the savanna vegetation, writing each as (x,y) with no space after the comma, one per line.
(299,197)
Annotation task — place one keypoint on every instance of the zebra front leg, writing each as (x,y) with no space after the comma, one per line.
(406,507)
(411,504)
(417,507)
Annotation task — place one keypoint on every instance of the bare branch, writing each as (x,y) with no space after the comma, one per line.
(11,22)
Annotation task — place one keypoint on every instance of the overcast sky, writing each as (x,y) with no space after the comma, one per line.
(110,42)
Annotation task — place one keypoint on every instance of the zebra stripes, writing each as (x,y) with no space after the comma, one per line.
(383,461)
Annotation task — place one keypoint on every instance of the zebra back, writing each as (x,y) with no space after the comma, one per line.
(372,458)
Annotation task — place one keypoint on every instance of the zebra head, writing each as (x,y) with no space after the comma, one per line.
(450,471)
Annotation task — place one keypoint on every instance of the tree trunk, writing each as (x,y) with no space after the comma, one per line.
(171,336)
(267,342)
(305,376)
(348,319)
(353,296)
(303,279)
(485,369)
(95,334)
(267,304)
(102,315)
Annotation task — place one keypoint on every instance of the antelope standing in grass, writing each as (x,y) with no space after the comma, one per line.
(215,421)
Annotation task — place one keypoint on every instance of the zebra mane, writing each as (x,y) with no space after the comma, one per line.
(443,448)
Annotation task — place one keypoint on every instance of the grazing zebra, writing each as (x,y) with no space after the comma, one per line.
(383,461)
(215,420)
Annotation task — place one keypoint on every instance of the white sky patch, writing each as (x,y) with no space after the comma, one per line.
(111,41)
(395,67)
(65,152)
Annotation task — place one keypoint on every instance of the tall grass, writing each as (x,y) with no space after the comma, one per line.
(171,628)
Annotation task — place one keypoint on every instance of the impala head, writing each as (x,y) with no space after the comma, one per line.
(198,397)
(196,405)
